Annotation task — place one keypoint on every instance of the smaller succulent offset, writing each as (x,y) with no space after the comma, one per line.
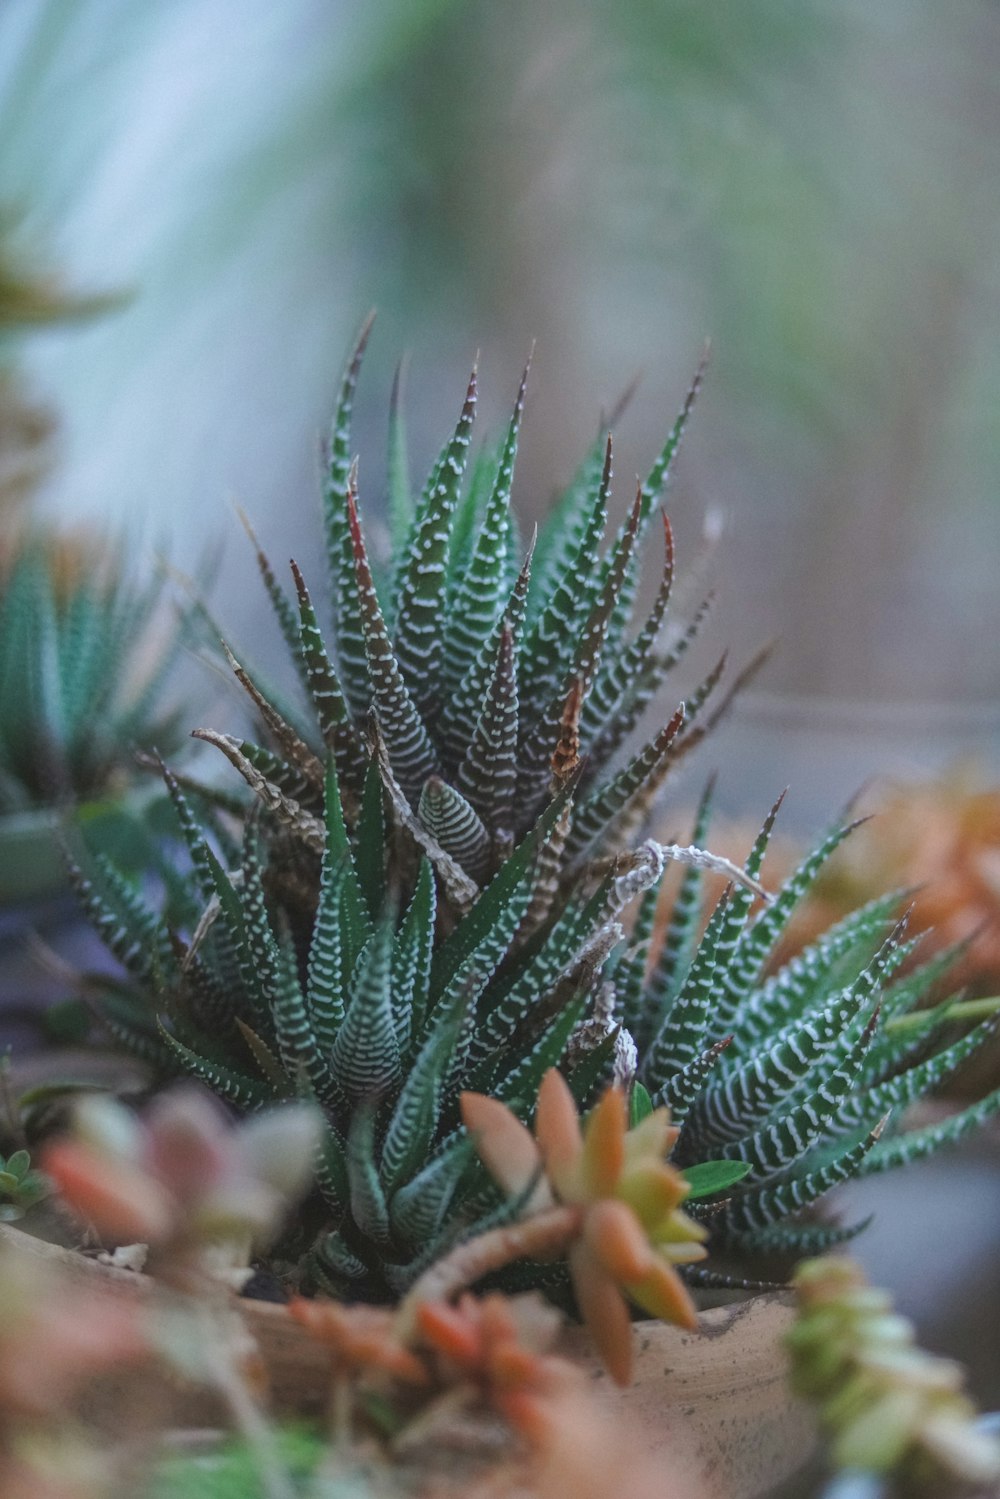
(430,895)
(81,673)
(21,1186)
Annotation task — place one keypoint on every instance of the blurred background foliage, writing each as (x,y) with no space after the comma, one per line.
(812,184)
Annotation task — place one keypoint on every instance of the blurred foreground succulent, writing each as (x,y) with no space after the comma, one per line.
(182,1181)
(55,1345)
(885,1405)
(429,897)
(189,1181)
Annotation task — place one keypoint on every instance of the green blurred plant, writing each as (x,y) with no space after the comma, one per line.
(886,1406)
(21,1187)
(85,650)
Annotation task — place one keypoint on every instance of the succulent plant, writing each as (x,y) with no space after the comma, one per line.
(21,1186)
(886,1406)
(427,896)
(81,675)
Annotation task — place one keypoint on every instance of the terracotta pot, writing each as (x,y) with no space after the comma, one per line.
(713,1404)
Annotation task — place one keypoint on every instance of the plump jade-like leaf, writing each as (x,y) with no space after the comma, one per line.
(710,1177)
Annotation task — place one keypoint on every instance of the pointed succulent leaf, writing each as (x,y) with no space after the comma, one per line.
(461,712)
(418,1209)
(131,932)
(759,1207)
(681,1038)
(331,1169)
(520,1082)
(414,1121)
(914,1145)
(682,1088)
(301,1054)
(347,630)
(748,1093)
(567,521)
(813,977)
(366,1061)
(411,960)
(291,745)
(547,651)
(680,939)
(456,826)
(630,971)
(487,775)
(238,1089)
(332,713)
(895,1094)
(369,856)
(267,1062)
(510,1005)
(624,666)
(761,937)
(492,921)
(654,486)
(325,986)
(368,1205)
(482,593)
(284,610)
(602,809)
(535,754)
(784,1139)
(303,824)
(421,589)
(797,1240)
(410,749)
(459,887)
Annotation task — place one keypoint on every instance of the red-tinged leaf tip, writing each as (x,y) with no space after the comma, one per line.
(125,1205)
(449,1332)
(300,582)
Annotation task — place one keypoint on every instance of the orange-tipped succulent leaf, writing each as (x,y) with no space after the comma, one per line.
(124,1204)
(557,1128)
(615,1235)
(604,1144)
(663,1294)
(603,1309)
(505,1147)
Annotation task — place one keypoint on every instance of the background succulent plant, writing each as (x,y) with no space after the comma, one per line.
(427,895)
(81,669)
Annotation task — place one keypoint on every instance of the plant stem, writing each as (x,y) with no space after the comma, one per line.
(546,1234)
(247,1417)
(964,1009)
